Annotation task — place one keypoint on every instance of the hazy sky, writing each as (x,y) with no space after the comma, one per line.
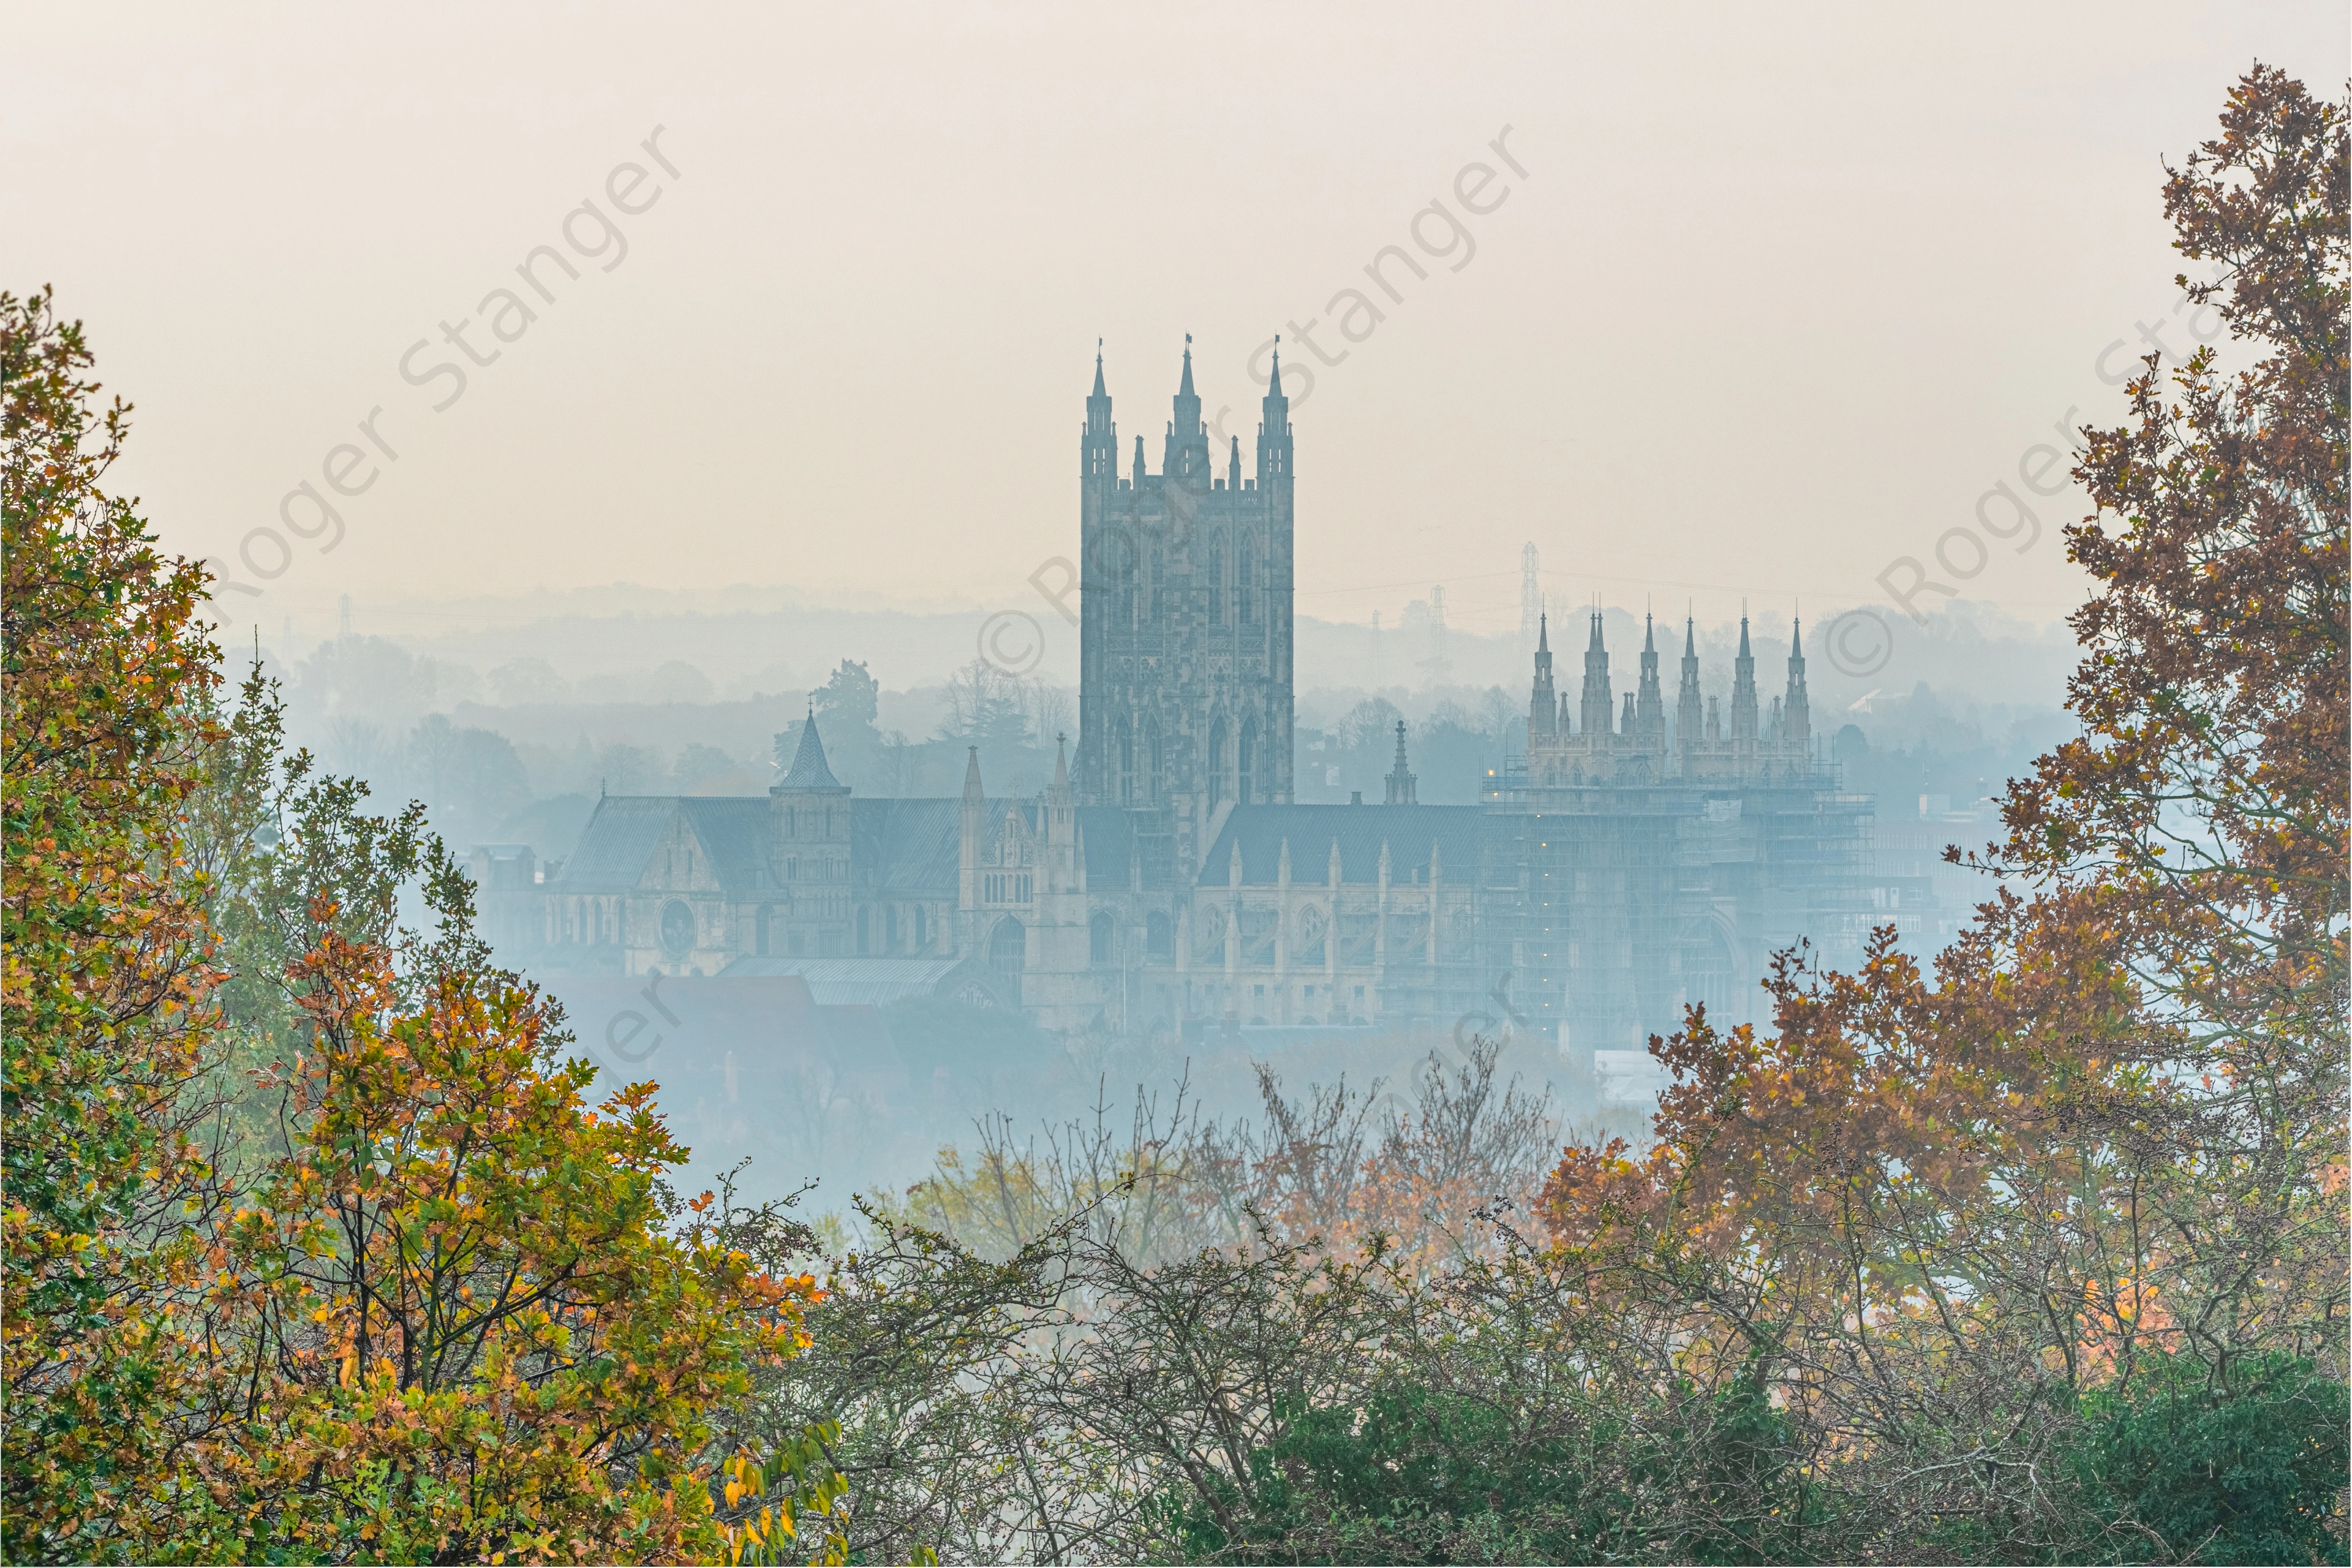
(1780,293)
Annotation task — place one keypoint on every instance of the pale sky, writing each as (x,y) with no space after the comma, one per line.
(1780,293)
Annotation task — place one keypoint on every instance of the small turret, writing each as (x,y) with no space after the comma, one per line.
(1650,710)
(1796,712)
(1743,690)
(1187,459)
(1690,719)
(1098,447)
(1401,791)
(1273,450)
(1595,718)
(1543,707)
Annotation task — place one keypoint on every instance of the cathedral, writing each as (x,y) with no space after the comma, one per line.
(1637,859)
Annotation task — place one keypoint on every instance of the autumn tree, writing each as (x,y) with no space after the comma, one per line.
(108,972)
(2097,1154)
(453,1320)
(315,1248)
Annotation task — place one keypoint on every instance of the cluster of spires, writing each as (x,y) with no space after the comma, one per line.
(1643,722)
(1187,452)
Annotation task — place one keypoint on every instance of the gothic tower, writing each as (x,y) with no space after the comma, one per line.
(1185,637)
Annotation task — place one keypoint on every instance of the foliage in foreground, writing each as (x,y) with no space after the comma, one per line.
(314,1249)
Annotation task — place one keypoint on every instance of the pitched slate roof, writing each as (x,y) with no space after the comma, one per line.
(734,832)
(617,842)
(905,845)
(1457,831)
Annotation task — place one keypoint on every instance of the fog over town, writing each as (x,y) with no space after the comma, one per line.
(1324,783)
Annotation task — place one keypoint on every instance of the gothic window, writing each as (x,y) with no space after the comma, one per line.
(1246,577)
(1247,771)
(1008,945)
(1100,933)
(1216,762)
(676,929)
(1159,936)
(1158,783)
(1125,763)
(1212,573)
(1310,935)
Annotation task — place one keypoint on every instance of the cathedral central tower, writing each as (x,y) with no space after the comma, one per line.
(1185,638)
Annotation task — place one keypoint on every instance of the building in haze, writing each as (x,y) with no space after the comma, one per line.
(1637,859)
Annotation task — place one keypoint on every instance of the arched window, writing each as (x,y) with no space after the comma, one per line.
(1008,946)
(1126,754)
(1159,936)
(1213,575)
(1246,778)
(1311,928)
(1155,783)
(1245,577)
(1216,762)
(676,929)
(1099,936)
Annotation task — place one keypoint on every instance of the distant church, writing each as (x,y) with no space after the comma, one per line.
(1634,861)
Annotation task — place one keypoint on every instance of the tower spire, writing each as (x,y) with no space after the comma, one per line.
(809,771)
(1098,447)
(1543,709)
(1594,715)
(1401,782)
(1274,451)
(1743,687)
(1796,711)
(1690,713)
(1650,708)
(1188,439)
